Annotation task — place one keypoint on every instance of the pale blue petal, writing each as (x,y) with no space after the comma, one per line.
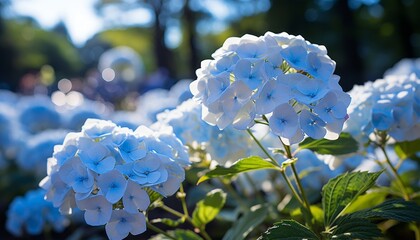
(112,185)
(135,198)
(296,56)
(112,233)
(284,121)
(148,164)
(98,210)
(139,224)
(175,177)
(312,125)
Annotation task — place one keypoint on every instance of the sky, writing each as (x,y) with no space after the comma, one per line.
(78,15)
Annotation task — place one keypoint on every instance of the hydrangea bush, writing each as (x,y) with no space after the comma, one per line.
(292,155)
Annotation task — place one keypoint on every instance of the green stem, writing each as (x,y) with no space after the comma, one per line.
(290,185)
(384,167)
(416,229)
(396,175)
(188,218)
(273,161)
(158,230)
(175,212)
(298,182)
(183,202)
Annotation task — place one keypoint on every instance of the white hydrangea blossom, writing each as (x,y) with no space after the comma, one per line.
(278,75)
(391,104)
(224,147)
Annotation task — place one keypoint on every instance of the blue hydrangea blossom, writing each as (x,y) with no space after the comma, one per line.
(31,214)
(251,76)
(105,170)
(391,104)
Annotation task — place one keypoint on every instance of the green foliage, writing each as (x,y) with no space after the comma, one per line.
(317,214)
(367,200)
(36,47)
(343,145)
(341,191)
(139,39)
(407,149)
(355,228)
(288,230)
(245,224)
(208,208)
(242,165)
(397,209)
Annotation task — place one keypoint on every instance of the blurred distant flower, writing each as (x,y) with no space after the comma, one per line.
(157,100)
(105,170)
(8,97)
(32,214)
(254,76)
(315,173)
(7,125)
(121,63)
(35,150)
(406,67)
(37,113)
(391,104)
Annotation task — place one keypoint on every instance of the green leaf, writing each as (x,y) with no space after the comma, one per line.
(242,165)
(178,234)
(343,145)
(208,208)
(397,209)
(317,214)
(407,149)
(288,230)
(342,190)
(355,228)
(242,227)
(366,201)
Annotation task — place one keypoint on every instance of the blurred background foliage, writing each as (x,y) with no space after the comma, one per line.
(364,37)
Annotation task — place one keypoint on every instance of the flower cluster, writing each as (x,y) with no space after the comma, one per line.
(391,104)
(280,75)
(105,170)
(223,147)
(405,66)
(31,213)
(35,150)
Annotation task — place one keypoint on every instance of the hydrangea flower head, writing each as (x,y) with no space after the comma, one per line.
(34,152)
(254,76)
(391,104)
(37,113)
(105,170)
(222,146)
(31,213)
